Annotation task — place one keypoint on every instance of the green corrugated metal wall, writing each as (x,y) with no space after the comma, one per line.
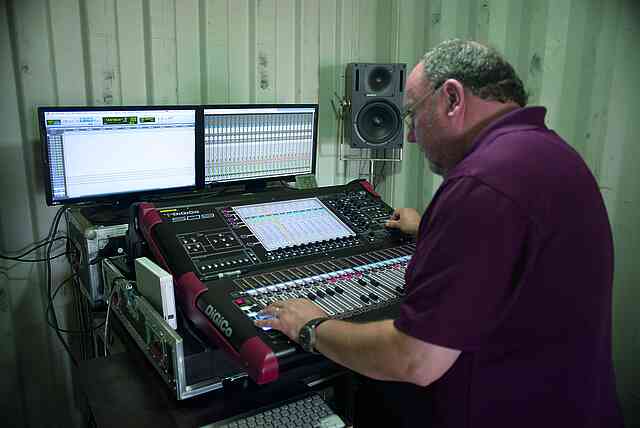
(580,58)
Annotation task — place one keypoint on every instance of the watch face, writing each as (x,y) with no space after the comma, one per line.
(307,335)
(305,338)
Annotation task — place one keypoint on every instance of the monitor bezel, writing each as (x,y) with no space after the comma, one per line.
(250,181)
(121,196)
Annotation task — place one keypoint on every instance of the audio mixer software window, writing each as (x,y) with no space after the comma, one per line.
(257,142)
(295,222)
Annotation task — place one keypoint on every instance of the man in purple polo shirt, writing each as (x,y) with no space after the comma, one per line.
(507,314)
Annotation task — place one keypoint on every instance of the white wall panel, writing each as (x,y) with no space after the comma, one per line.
(131,52)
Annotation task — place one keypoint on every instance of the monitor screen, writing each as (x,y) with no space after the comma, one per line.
(115,153)
(259,142)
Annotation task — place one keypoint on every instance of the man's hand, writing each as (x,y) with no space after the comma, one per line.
(405,219)
(290,315)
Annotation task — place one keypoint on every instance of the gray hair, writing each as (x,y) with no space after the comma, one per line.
(479,68)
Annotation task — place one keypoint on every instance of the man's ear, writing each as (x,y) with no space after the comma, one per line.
(454,95)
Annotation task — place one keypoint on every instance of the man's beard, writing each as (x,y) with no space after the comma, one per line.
(430,132)
(435,168)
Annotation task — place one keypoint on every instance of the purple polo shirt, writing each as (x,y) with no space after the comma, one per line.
(514,267)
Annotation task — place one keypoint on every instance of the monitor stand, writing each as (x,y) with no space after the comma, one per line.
(255,187)
(107,215)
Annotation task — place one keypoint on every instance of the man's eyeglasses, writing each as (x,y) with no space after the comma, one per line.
(410,111)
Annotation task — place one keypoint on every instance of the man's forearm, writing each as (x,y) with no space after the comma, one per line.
(369,349)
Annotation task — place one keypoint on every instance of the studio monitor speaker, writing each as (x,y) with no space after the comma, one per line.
(373,118)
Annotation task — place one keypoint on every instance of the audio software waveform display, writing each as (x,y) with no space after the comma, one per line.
(295,222)
(258,142)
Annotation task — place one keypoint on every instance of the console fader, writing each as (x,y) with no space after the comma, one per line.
(233,256)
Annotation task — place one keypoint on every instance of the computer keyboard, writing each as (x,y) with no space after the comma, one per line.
(309,411)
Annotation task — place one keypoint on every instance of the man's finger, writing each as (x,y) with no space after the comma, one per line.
(273,323)
(272,310)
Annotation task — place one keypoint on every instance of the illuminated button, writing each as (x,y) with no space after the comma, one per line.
(209,266)
(239,301)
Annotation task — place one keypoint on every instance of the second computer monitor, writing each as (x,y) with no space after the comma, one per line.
(259,142)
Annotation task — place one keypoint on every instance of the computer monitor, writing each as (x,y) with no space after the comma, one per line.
(255,143)
(119,153)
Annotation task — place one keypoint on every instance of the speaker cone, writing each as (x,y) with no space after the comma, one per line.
(378,122)
(379,79)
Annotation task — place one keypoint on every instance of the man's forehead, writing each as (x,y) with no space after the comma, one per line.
(415,82)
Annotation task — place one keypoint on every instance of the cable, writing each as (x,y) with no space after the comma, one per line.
(51,309)
(34,260)
(53,230)
(114,288)
(37,243)
(17,258)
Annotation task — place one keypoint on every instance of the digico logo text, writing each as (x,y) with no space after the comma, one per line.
(218,320)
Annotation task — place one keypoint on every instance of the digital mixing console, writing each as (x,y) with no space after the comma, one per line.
(232,256)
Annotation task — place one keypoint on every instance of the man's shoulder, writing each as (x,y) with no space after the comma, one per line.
(536,169)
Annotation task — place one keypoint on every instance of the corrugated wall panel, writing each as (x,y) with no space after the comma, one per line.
(577,57)
(15,232)
(620,181)
(131,52)
(187,58)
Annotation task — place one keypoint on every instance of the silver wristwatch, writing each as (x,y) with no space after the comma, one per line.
(307,334)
